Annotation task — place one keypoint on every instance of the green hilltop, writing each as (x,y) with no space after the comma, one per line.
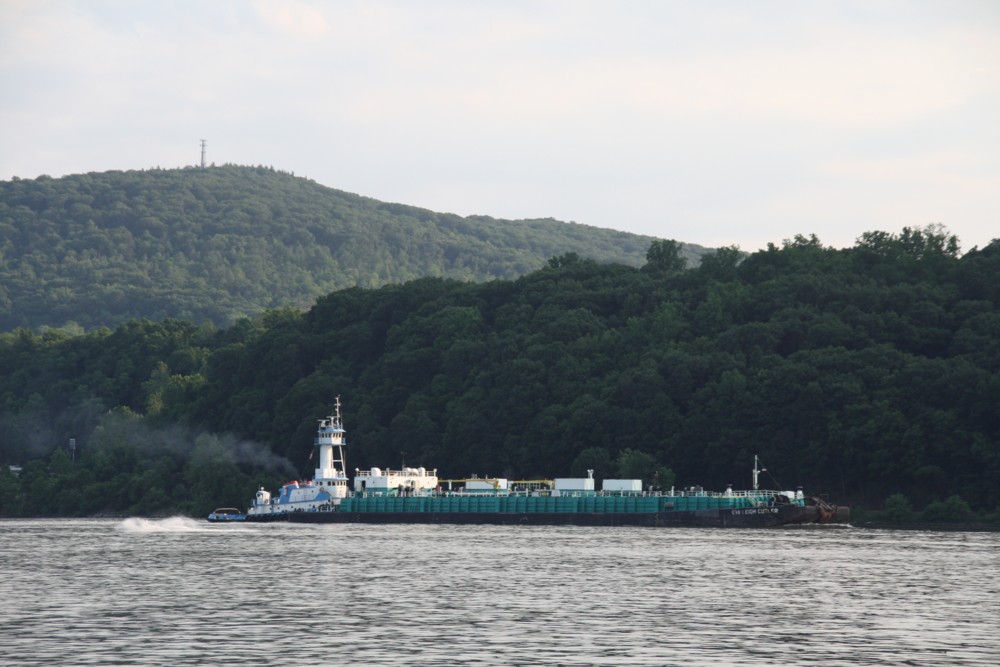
(218,244)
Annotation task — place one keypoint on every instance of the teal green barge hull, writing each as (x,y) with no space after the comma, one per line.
(653,511)
(759,518)
(576,504)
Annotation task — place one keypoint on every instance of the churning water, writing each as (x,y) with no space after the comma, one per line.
(184,592)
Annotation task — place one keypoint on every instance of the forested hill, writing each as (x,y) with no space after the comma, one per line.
(867,373)
(224,242)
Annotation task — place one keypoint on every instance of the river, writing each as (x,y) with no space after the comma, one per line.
(181,591)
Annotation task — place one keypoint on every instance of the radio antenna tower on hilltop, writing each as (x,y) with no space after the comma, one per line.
(203,142)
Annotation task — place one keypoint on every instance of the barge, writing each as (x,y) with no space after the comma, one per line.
(418,495)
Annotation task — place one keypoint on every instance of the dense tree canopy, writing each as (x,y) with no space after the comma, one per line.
(861,373)
(221,243)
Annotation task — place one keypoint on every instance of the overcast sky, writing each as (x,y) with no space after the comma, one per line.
(711,122)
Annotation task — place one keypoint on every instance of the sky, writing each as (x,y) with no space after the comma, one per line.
(711,122)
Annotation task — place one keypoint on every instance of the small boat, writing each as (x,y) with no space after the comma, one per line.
(226,515)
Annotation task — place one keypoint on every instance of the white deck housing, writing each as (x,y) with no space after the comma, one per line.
(573,486)
(408,481)
(622,486)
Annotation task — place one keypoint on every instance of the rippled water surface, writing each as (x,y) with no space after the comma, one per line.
(180,591)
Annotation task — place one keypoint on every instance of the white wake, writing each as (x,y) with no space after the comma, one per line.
(174,524)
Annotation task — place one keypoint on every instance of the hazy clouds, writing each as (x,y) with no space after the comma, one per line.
(715,123)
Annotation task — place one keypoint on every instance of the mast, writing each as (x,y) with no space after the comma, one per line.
(331,441)
(756,471)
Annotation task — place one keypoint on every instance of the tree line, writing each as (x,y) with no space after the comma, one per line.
(865,373)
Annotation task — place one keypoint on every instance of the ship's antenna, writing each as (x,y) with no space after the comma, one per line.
(203,142)
(757,470)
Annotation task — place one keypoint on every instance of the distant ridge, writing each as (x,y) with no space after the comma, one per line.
(226,242)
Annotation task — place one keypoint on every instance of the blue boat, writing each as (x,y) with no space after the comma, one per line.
(226,515)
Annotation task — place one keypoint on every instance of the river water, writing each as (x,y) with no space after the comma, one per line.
(184,592)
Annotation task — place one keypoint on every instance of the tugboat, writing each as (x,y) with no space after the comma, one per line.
(328,486)
(416,495)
